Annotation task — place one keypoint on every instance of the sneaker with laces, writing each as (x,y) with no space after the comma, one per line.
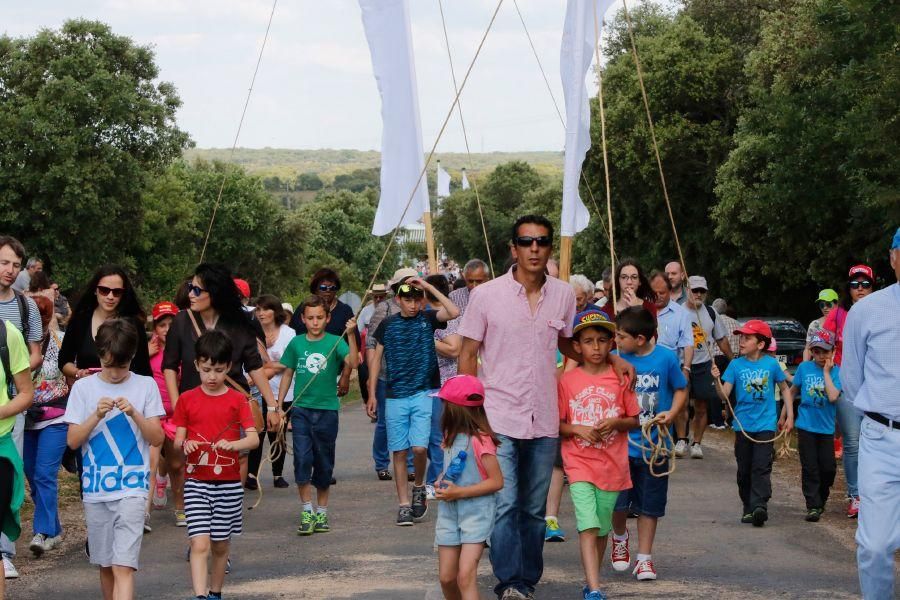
(307,523)
(429,492)
(159,493)
(512,593)
(553,532)
(595,595)
(405,516)
(180,519)
(322,525)
(696,450)
(9,569)
(37,545)
(51,542)
(419,503)
(853,508)
(620,556)
(644,571)
(681,449)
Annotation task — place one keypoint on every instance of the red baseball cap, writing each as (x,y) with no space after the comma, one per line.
(864,270)
(460,389)
(243,287)
(755,327)
(164,309)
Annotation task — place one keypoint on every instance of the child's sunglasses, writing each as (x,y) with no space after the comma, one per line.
(860,283)
(408,290)
(823,305)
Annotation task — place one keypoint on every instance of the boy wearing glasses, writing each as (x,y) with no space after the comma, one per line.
(406,341)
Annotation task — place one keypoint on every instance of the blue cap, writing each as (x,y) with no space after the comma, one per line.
(593,318)
(896,243)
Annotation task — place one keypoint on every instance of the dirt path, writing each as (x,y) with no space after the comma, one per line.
(702,550)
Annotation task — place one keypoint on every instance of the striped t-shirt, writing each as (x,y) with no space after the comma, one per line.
(9,311)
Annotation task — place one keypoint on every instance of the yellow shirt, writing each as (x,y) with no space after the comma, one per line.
(18,362)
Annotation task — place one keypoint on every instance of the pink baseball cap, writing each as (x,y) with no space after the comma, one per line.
(460,389)
(755,327)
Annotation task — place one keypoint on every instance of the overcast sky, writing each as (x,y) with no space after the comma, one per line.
(315,87)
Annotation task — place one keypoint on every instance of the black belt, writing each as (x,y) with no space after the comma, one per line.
(878,418)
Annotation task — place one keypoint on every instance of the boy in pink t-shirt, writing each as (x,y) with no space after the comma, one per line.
(595,413)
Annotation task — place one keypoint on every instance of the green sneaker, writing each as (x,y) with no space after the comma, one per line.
(747,518)
(322,523)
(307,523)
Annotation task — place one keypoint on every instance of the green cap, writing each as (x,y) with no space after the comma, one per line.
(828,295)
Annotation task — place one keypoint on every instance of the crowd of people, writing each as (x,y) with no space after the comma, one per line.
(487,395)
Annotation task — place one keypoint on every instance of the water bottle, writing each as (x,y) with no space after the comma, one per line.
(455,470)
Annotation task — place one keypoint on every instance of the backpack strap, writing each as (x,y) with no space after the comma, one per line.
(4,353)
(24,313)
(712,313)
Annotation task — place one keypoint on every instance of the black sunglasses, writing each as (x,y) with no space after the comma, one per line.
(525,241)
(106,291)
(195,290)
(408,290)
(823,304)
(328,288)
(860,283)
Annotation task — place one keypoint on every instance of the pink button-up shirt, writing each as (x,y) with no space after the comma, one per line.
(518,352)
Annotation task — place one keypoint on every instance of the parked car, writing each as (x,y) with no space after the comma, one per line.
(790,337)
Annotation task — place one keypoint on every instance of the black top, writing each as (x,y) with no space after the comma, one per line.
(78,346)
(179,352)
(335,326)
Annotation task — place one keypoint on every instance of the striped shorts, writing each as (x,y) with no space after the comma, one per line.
(214,508)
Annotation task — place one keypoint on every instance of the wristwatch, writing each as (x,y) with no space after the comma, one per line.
(272,408)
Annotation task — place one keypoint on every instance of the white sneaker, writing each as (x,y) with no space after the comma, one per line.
(429,492)
(620,556)
(644,571)
(37,545)
(696,451)
(9,569)
(52,542)
(681,449)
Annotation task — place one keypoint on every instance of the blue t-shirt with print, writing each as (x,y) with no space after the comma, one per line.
(816,413)
(658,375)
(409,354)
(754,387)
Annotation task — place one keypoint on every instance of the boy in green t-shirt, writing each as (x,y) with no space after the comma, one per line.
(317,358)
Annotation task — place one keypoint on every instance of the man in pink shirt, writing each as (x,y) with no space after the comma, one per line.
(516,323)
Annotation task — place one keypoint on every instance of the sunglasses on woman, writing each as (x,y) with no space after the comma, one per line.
(106,291)
(861,283)
(328,288)
(823,305)
(194,290)
(525,241)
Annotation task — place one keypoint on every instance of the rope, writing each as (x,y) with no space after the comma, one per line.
(660,451)
(238,133)
(462,122)
(282,430)
(561,119)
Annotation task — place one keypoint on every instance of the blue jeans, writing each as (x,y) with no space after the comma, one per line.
(43,453)
(380,454)
(849,420)
(878,530)
(517,543)
(435,452)
(314,433)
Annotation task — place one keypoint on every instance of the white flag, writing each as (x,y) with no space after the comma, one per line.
(402,158)
(575,57)
(443,182)
(465,180)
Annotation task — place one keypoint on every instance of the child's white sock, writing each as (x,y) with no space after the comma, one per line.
(322,510)
(307,507)
(643,557)
(620,538)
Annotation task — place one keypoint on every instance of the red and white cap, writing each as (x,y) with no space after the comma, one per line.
(863,270)
(755,327)
(164,309)
(243,287)
(463,390)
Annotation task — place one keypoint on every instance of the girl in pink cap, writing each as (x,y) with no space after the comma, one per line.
(467,486)
(163,313)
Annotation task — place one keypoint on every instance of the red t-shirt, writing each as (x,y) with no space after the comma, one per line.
(586,399)
(209,419)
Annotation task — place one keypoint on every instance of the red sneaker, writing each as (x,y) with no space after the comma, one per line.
(853,508)
(620,556)
(644,571)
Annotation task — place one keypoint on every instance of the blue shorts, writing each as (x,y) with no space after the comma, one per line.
(465,521)
(314,435)
(408,421)
(648,494)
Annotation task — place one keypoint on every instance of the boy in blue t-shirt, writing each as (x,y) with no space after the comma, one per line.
(753,376)
(406,341)
(662,393)
(819,384)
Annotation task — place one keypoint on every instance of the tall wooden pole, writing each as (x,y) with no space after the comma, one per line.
(429,244)
(565,257)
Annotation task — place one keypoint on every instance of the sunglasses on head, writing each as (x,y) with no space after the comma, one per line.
(408,290)
(823,304)
(194,290)
(328,288)
(525,241)
(860,283)
(106,291)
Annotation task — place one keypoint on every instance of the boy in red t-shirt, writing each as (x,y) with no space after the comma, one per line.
(209,421)
(595,413)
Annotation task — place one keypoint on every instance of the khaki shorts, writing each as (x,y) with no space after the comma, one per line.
(115,531)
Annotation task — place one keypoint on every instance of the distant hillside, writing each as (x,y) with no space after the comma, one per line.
(327,164)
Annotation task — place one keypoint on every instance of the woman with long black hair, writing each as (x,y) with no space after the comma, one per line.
(215,303)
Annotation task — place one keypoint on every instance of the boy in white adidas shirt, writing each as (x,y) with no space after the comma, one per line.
(113,417)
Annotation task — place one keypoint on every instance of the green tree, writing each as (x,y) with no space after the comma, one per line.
(359,180)
(310,182)
(812,183)
(83,128)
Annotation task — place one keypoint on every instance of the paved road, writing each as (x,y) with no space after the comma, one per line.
(702,550)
